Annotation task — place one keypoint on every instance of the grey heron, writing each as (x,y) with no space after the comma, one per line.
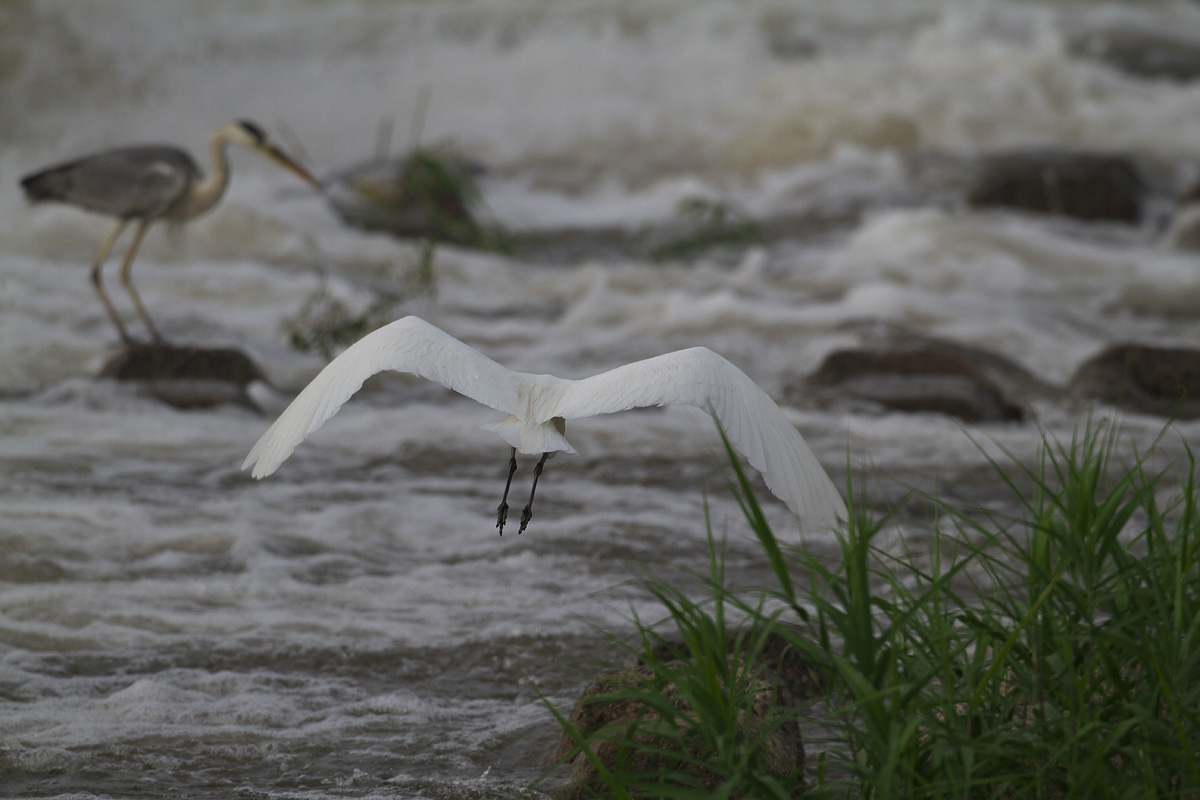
(539,405)
(145,184)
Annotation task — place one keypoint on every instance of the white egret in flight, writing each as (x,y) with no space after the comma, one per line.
(539,405)
(147,183)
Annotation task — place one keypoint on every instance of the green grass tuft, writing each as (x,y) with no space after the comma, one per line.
(708,224)
(1054,655)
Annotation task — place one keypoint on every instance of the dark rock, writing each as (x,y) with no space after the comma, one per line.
(1189,197)
(1183,228)
(1082,185)
(784,666)
(607,721)
(1144,53)
(929,377)
(1182,220)
(185,376)
(781,676)
(421,194)
(1162,381)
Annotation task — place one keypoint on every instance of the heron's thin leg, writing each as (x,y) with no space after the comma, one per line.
(98,283)
(126,278)
(502,510)
(527,512)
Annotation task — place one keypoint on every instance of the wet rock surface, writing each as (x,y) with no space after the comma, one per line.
(1142,53)
(896,370)
(185,376)
(1090,186)
(1162,381)
(781,677)
(421,194)
(899,371)
(908,380)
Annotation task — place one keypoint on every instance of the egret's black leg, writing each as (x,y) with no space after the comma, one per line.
(527,512)
(502,510)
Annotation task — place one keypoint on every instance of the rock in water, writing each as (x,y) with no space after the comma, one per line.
(1081,185)
(186,376)
(1145,53)
(624,732)
(1164,381)
(422,194)
(930,378)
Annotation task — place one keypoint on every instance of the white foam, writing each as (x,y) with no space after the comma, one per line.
(156,597)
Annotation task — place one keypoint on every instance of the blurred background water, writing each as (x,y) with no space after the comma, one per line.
(352,626)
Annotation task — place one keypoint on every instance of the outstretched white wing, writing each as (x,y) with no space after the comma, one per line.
(406,345)
(696,377)
(751,420)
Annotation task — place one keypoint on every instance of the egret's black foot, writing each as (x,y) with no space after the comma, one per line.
(527,512)
(502,509)
(502,517)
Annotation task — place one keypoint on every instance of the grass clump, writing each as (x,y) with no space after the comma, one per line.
(708,224)
(1052,655)
(428,193)
(699,715)
(435,195)
(326,324)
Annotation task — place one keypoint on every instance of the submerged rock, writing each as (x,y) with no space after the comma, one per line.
(184,376)
(780,678)
(1163,381)
(1144,53)
(1083,185)
(421,194)
(1183,227)
(930,376)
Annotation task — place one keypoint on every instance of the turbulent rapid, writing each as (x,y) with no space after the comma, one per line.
(776,181)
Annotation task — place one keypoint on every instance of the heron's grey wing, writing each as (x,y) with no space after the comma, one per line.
(130,182)
(754,424)
(407,345)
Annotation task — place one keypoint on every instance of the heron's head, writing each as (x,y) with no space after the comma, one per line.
(252,137)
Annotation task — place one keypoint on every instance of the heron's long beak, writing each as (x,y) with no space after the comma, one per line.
(284,160)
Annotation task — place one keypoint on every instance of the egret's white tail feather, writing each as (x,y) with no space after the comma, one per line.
(545,437)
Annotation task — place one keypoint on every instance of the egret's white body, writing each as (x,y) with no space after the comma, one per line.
(538,405)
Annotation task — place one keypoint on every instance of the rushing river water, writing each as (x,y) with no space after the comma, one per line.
(352,626)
